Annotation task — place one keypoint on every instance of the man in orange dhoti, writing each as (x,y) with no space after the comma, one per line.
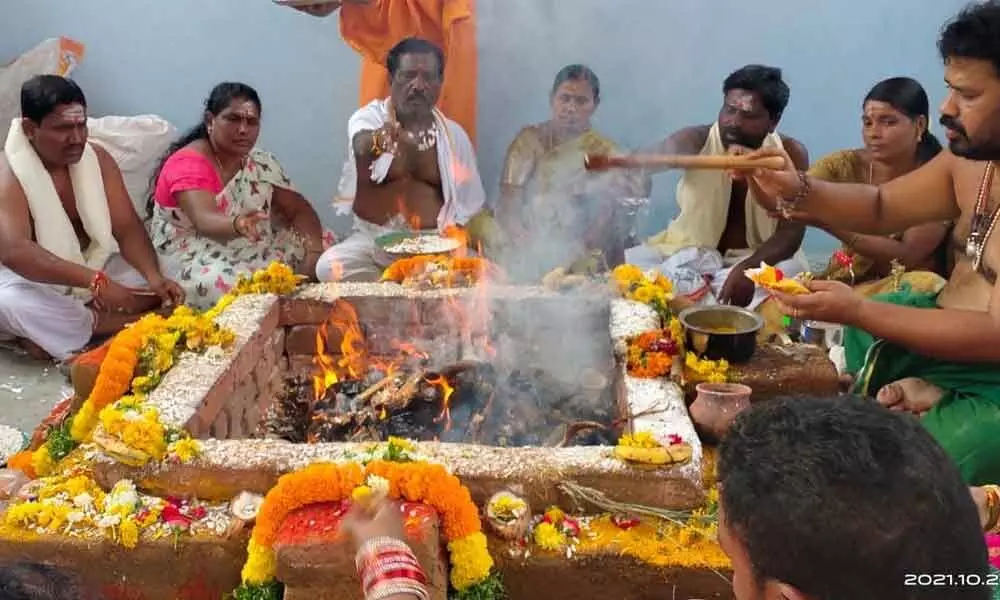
(372,27)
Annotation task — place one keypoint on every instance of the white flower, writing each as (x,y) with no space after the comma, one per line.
(378,485)
(109,521)
(84,500)
(75,516)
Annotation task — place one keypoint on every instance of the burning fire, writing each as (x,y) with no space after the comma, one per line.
(353,350)
(446,392)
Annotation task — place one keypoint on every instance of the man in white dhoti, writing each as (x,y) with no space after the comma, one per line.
(721,230)
(73,251)
(409,167)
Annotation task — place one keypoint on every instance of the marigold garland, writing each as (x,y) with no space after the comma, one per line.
(651,354)
(140,355)
(429,483)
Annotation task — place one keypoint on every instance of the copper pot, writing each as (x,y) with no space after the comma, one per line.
(716,406)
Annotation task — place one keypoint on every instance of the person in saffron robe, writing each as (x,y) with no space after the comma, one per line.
(552,209)
(373,27)
(934,355)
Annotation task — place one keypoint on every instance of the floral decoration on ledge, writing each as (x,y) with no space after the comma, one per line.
(655,291)
(651,354)
(115,415)
(643,449)
(656,536)
(391,474)
(73,505)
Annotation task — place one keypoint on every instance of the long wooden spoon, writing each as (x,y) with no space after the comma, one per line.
(603,162)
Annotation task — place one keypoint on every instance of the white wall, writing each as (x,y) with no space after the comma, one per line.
(661,64)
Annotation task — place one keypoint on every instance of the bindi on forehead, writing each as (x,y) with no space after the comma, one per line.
(246,109)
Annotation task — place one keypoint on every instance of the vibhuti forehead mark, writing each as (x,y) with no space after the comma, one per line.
(743,101)
(74,113)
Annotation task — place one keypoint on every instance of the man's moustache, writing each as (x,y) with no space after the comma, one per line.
(952,124)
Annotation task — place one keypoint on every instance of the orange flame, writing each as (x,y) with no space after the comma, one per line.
(446,392)
(327,375)
(353,349)
(459,234)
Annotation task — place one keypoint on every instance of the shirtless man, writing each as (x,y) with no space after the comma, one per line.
(411,168)
(72,248)
(714,205)
(938,357)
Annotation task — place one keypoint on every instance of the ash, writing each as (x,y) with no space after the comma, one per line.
(522,407)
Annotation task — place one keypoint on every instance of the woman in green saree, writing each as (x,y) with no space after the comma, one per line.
(552,210)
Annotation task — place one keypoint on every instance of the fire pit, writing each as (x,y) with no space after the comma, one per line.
(510,388)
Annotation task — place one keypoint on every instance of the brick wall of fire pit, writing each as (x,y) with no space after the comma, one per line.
(225,398)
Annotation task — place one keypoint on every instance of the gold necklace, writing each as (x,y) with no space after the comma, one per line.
(982,225)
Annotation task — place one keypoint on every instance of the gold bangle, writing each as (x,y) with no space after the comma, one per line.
(992,493)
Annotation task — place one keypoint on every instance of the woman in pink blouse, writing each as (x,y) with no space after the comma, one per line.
(221,207)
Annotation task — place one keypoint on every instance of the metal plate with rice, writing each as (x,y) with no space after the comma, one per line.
(416,244)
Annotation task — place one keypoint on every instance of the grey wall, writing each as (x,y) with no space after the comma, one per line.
(661,64)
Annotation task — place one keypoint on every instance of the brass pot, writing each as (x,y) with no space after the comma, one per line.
(721,332)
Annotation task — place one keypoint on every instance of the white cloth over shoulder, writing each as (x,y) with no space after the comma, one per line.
(703,197)
(52,227)
(461,185)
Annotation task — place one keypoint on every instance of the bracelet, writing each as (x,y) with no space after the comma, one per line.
(397,588)
(236,226)
(98,284)
(992,493)
(786,206)
(376,545)
(387,567)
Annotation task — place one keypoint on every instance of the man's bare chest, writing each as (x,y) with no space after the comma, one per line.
(419,165)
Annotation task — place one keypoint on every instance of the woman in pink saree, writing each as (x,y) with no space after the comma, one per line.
(220,207)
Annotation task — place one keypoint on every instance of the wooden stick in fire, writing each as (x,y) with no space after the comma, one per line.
(603,162)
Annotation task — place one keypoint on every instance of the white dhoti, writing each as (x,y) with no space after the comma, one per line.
(694,270)
(358,257)
(61,324)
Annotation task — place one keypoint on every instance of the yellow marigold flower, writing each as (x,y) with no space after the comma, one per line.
(627,273)
(361,493)
(401,443)
(644,294)
(128,533)
(41,461)
(663,283)
(186,450)
(548,537)
(261,565)
(470,561)
(555,514)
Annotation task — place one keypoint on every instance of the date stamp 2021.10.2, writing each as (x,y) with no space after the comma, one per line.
(991,579)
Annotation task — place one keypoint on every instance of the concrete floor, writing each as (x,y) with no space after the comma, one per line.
(28,389)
